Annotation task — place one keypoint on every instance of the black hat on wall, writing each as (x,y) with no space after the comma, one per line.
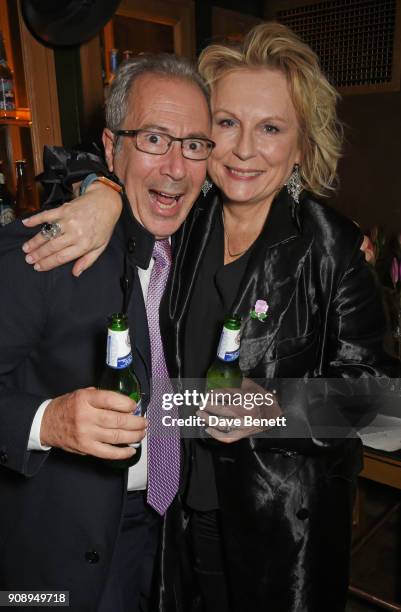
(67,22)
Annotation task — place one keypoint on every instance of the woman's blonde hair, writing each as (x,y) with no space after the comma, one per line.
(273,45)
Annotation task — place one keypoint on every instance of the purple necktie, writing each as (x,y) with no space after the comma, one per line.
(163,442)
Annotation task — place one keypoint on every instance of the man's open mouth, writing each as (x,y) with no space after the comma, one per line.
(165,200)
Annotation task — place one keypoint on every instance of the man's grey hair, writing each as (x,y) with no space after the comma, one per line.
(163,64)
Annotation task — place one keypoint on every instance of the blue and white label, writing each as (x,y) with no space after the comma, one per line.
(138,409)
(137,412)
(124,362)
(118,354)
(230,356)
(228,349)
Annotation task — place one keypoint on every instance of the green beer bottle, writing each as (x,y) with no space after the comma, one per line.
(225,370)
(119,376)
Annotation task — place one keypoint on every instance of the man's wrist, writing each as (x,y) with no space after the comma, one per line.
(35,442)
(76,189)
(93,178)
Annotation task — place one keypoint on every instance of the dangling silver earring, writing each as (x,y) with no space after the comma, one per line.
(206,187)
(294,184)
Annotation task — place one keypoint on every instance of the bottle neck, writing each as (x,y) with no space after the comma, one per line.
(228,349)
(114,61)
(118,352)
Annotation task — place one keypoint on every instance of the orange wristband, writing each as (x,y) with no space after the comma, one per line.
(109,183)
(92,178)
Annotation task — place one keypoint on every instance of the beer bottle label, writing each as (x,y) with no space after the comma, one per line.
(228,349)
(137,412)
(118,354)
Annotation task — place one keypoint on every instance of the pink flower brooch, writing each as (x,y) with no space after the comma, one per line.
(260,310)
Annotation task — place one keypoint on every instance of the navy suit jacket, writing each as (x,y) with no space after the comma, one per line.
(60,512)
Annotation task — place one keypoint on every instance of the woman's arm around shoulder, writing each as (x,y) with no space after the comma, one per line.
(86,222)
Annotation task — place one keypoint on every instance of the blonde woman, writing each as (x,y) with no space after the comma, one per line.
(264,517)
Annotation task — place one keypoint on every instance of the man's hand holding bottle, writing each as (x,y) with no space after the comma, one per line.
(104,422)
(92,422)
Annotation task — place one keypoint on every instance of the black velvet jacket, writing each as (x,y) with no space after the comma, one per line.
(285,500)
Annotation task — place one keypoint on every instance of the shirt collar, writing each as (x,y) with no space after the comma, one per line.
(138,241)
(280,224)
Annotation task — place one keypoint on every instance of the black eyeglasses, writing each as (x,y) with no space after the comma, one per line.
(158,143)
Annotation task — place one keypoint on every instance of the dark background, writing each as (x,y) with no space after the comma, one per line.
(370,171)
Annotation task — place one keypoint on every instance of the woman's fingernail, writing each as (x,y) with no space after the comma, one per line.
(37,267)
(25,247)
(78,273)
(24,221)
(29,259)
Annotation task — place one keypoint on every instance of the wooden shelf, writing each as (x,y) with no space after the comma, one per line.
(152,26)
(19,116)
(35,122)
(382,468)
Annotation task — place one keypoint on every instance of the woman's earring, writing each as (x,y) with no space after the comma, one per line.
(294,184)
(206,187)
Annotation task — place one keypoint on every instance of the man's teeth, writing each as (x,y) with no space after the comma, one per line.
(244,173)
(166,200)
(167,195)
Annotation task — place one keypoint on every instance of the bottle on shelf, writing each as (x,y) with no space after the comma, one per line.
(118,375)
(7,98)
(7,211)
(225,371)
(113,63)
(25,203)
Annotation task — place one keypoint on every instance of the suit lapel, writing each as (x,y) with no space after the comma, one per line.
(137,314)
(137,244)
(188,254)
(272,274)
(189,246)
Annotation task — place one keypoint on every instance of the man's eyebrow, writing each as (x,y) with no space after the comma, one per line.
(154,128)
(160,128)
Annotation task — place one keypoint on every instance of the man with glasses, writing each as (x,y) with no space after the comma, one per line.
(68,522)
